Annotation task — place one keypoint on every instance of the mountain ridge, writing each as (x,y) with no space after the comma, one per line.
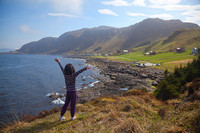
(186,38)
(105,39)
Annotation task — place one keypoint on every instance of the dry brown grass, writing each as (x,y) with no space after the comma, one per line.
(172,129)
(180,61)
(129,126)
(135,111)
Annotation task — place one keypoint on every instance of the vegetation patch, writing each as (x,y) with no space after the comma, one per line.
(170,87)
(139,112)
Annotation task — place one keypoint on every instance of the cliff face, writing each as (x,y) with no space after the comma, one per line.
(103,38)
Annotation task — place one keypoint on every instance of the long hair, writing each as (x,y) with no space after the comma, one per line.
(69,69)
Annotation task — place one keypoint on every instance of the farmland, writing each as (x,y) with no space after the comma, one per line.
(168,60)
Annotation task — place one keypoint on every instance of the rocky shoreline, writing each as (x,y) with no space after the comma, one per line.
(119,76)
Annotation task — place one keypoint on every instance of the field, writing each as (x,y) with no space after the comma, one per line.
(168,60)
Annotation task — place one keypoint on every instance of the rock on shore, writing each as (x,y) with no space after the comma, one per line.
(118,75)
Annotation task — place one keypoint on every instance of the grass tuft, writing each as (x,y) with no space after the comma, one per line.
(129,126)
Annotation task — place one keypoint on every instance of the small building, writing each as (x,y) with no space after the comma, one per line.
(152,53)
(180,50)
(106,55)
(125,51)
(195,50)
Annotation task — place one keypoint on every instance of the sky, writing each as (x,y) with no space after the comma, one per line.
(24,21)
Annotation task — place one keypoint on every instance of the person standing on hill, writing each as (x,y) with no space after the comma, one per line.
(71,96)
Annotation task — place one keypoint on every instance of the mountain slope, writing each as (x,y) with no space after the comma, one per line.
(186,38)
(106,39)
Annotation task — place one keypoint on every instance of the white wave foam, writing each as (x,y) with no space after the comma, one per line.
(58,101)
(52,94)
(92,84)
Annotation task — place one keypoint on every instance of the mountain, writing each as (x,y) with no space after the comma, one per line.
(106,39)
(186,38)
(2,50)
(45,45)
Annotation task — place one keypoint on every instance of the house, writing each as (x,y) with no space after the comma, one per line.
(180,50)
(125,51)
(195,50)
(106,55)
(151,53)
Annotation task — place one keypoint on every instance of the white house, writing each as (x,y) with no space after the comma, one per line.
(125,51)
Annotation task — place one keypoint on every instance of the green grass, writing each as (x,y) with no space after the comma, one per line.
(158,58)
(187,38)
(164,58)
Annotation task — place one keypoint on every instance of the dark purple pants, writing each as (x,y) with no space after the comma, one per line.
(70,98)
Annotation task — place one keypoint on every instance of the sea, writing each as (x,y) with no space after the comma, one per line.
(27,81)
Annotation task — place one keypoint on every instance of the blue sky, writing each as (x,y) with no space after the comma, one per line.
(24,21)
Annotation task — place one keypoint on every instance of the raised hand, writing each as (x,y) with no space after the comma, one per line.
(87,67)
(57,60)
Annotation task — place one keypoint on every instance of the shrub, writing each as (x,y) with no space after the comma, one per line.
(166,91)
(170,87)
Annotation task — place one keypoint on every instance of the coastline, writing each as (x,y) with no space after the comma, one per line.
(108,108)
(119,76)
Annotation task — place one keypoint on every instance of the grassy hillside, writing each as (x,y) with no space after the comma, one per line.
(166,50)
(168,60)
(187,38)
(135,111)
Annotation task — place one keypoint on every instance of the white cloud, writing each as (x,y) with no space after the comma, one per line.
(135,14)
(107,11)
(192,16)
(163,16)
(66,6)
(124,3)
(27,29)
(173,7)
(116,3)
(191,13)
(164,2)
(139,3)
(62,14)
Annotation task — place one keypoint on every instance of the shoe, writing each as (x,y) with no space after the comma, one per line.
(61,118)
(73,118)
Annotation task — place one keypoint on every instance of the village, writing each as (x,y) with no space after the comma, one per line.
(141,63)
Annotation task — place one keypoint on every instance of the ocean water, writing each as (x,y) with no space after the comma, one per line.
(26,81)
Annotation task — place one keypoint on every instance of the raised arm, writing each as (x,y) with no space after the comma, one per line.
(80,71)
(61,67)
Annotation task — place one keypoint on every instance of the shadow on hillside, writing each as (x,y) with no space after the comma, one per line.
(40,127)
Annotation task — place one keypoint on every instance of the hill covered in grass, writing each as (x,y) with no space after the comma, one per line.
(134,111)
(105,39)
(186,38)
